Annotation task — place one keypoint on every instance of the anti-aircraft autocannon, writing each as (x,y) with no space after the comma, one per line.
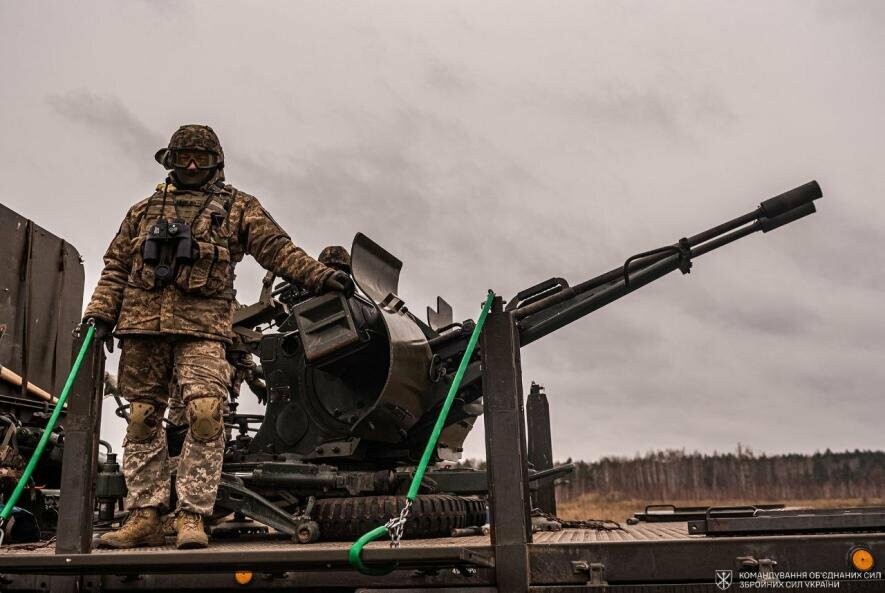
(355,383)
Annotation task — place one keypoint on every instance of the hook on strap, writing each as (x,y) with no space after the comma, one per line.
(356,551)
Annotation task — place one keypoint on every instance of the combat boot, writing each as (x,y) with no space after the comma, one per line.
(190,531)
(142,528)
(168,524)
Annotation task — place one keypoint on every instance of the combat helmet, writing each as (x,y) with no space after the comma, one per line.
(191,136)
(335,256)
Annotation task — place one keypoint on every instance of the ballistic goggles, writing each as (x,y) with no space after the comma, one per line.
(203,159)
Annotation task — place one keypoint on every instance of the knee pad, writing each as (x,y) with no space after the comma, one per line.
(205,418)
(143,422)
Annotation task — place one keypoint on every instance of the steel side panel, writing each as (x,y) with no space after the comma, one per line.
(403,581)
(695,559)
(55,302)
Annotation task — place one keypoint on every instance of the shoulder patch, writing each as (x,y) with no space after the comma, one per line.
(168,188)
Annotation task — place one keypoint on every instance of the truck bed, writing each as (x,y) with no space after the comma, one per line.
(642,553)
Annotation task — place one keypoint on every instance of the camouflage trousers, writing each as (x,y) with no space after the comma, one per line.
(149,368)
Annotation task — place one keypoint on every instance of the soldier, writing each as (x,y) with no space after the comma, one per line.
(336,257)
(167,286)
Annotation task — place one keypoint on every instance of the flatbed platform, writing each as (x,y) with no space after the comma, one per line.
(646,552)
(19,557)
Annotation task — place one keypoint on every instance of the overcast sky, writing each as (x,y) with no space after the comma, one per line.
(497,144)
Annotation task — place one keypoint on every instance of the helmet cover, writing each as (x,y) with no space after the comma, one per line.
(193,136)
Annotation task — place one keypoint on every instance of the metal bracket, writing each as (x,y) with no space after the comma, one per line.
(473,557)
(237,497)
(441,317)
(764,566)
(595,572)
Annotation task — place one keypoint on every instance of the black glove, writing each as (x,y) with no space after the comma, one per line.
(103,331)
(339,282)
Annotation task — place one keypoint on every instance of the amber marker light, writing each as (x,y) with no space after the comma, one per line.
(243,577)
(862,558)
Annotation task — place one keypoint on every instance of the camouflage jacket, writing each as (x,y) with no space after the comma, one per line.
(226,224)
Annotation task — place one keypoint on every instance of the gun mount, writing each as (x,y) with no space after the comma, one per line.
(356,382)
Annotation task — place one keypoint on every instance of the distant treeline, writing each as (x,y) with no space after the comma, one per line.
(676,475)
(743,474)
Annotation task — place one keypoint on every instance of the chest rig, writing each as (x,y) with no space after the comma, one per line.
(184,239)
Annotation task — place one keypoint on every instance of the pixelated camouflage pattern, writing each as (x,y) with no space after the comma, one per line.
(193,136)
(177,411)
(246,371)
(149,366)
(335,256)
(147,473)
(242,368)
(199,472)
(198,303)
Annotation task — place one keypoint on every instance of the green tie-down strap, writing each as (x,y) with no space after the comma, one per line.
(47,432)
(395,526)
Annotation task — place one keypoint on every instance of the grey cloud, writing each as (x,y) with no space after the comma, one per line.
(447,79)
(107,116)
(849,257)
(618,103)
(746,309)
(167,7)
(865,12)
(381,181)
(385,184)
(602,339)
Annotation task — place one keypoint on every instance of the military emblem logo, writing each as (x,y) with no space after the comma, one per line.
(723,579)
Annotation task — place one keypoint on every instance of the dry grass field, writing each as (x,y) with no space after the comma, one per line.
(594,506)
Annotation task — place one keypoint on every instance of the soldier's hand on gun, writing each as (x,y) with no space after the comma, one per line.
(339,282)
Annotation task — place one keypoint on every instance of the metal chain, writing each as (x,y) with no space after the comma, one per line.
(397,525)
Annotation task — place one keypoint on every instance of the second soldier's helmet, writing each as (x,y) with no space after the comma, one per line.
(335,257)
(195,137)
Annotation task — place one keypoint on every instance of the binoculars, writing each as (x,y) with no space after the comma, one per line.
(169,242)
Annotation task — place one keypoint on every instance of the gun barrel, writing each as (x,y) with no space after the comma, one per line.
(789,200)
(574,309)
(541,314)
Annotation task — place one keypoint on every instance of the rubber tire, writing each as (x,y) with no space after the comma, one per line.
(475,508)
(346,519)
